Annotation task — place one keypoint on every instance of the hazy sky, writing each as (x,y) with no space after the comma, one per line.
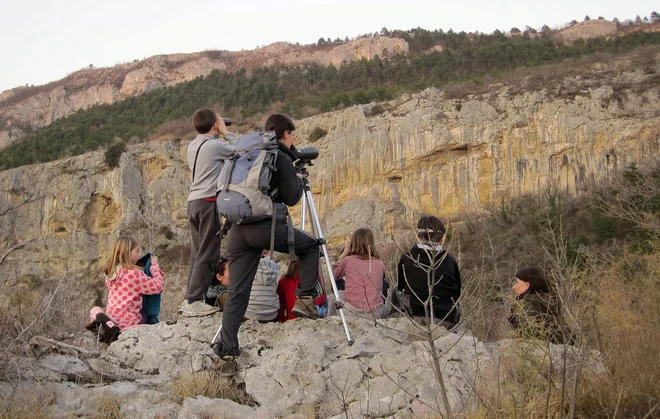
(44,40)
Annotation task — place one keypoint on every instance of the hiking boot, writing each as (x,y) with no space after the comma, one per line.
(304,307)
(226,364)
(197,309)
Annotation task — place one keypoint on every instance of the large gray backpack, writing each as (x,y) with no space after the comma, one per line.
(244,193)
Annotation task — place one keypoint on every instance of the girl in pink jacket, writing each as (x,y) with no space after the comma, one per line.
(127,282)
(364,273)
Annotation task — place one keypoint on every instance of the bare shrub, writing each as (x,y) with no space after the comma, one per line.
(316,134)
(601,252)
(627,331)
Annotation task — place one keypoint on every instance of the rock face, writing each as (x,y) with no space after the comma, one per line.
(380,165)
(73,206)
(22,108)
(301,367)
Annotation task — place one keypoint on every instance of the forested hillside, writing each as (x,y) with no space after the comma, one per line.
(307,90)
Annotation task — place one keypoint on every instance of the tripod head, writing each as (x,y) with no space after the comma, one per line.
(304,157)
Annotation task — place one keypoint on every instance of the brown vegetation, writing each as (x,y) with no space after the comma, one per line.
(208,384)
(603,254)
(25,406)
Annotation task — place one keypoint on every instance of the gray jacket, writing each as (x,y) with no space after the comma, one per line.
(209,162)
(264,301)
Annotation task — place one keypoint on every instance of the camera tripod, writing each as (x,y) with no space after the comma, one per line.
(308,203)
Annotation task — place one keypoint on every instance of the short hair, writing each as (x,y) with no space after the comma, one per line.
(536,279)
(430,228)
(279,123)
(221,267)
(363,244)
(204,119)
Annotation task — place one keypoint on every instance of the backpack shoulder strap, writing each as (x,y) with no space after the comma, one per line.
(197,155)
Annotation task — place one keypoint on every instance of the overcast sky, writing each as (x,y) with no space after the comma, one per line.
(44,40)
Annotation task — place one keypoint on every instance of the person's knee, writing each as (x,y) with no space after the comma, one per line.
(310,248)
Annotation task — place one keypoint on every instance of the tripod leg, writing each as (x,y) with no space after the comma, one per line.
(215,338)
(316,227)
(303,214)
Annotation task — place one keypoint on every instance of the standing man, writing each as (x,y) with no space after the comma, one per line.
(246,242)
(206,155)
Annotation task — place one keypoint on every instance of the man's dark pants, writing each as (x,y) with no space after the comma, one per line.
(245,244)
(205,247)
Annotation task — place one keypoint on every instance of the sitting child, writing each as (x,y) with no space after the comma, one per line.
(264,302)
(428,273)
(218,291)
(286,290)
(127,283)
(366,288)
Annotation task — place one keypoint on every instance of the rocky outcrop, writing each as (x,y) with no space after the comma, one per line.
(25,108)
(380,165)
(74,206)
(586,30)
(301,367)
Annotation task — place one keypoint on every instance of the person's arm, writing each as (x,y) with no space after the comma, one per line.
(222,148)
(273,272)
(386,286)
(290,186)
(338,269)
(230,137)
(144,284)
(344,252)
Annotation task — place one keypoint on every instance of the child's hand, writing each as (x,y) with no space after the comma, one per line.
(154,260)
(347,246)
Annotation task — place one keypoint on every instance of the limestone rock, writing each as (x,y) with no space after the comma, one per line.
(204,407)
(301,368)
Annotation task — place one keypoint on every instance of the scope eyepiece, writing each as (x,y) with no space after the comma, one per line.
(307,153)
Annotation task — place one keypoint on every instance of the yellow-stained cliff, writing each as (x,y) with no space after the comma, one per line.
(380,166)
(422,153)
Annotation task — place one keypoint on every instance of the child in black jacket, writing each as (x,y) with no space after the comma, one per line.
(427,263)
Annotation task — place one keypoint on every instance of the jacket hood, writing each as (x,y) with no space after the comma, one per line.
(112,278)
(423,252)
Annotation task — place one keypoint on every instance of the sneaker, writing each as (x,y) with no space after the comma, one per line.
(183,303)
(197,309)
(226,364)
(304,307)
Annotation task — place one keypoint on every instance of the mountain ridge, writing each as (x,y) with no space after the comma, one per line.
(24,109)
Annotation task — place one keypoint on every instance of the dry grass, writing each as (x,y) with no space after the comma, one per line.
(22,406)
(26,311)
(208,384)
(107,407)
